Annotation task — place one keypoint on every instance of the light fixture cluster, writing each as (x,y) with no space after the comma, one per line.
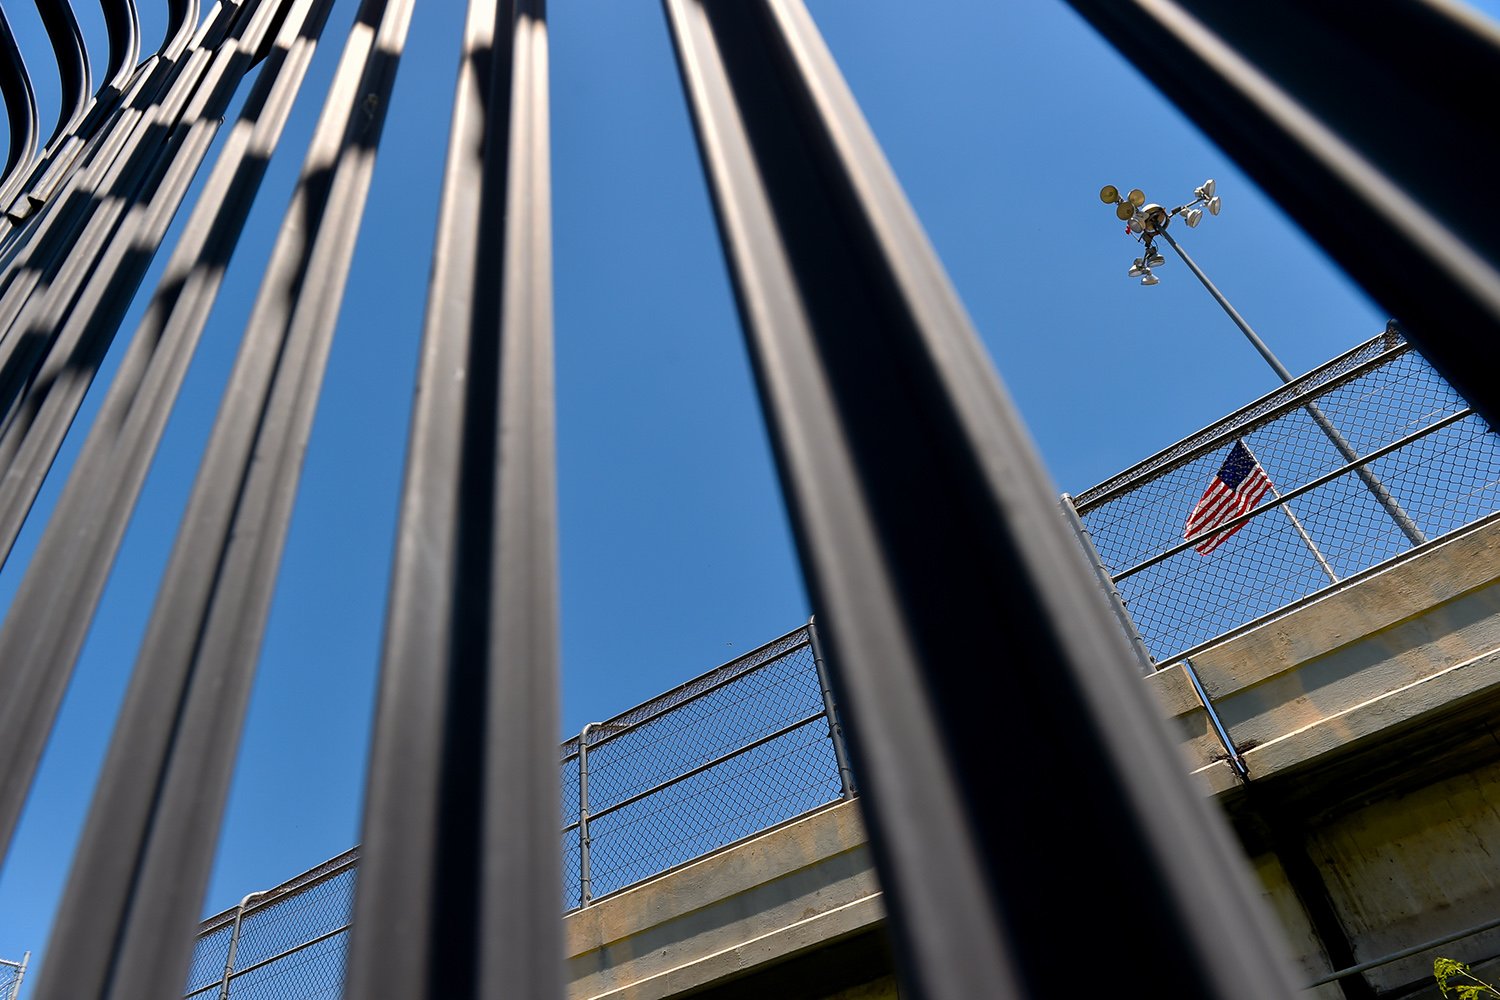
(1146,221)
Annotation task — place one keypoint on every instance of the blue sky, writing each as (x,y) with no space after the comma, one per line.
(1001,120)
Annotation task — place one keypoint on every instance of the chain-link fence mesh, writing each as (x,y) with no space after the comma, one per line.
(10,978)
(722,757)
(1442,473)
(289,945)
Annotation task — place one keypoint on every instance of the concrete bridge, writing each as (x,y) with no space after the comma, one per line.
(1358,762)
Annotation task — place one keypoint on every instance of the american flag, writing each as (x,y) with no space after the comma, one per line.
(1238,486)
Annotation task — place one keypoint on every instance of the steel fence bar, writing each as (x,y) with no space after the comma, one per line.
(82,330)
(435,638)
(1379,200)
(124,925)
(458,895)
(182,20)
(830,710)
(122,25)
(63,248)
(634,724)
(72,60)
(1145,471)
(116,111)
(707,765)
(1283,498)
(48,619)
(928,538)
(20,111)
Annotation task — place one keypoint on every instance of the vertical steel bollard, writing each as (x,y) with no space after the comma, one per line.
(835,728)
(1107,584)
(585,891)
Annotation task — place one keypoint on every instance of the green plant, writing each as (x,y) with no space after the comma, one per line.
(1445,969)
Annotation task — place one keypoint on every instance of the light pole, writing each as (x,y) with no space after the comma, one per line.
(1146,221)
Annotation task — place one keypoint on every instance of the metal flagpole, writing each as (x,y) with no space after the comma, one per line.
(1287,509)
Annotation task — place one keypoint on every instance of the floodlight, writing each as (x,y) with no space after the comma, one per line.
(1150,279)
(1154,259)
(1192,217)
(1156,217)
(1136,197)
(1136,226)
(1124,211)
(1213,205)
(1208,188)
(1109,194)
(1137,269)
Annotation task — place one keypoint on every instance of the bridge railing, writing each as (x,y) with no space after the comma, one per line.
(732,752)
(1369,456)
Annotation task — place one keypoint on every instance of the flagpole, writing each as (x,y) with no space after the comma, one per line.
(1287,509)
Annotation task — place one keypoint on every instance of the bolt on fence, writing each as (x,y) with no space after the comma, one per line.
(742,748)
(1411,444)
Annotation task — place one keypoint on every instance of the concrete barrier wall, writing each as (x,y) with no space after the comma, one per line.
(1408,641)
(797,888)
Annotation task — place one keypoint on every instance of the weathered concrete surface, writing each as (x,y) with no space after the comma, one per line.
(1367,722)
(1415,640)
(805,886)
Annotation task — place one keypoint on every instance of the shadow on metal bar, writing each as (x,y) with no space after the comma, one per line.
(926,525)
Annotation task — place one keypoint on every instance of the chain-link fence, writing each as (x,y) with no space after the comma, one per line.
(723,756)
(1367,456)
(739,749)
(286,944)
(11,975)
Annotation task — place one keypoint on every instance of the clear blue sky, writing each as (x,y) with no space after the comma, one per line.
(1001,120)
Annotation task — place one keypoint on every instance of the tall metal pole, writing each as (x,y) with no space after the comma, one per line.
(1403,520)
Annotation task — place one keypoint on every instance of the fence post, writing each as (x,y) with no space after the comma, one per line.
(1107,584)
(585,890)
(15,987)
(835,728)
(234,941)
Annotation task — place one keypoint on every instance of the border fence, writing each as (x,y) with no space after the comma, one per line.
(728,754)
(1368,456)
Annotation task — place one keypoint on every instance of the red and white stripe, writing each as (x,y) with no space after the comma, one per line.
(1220,504)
